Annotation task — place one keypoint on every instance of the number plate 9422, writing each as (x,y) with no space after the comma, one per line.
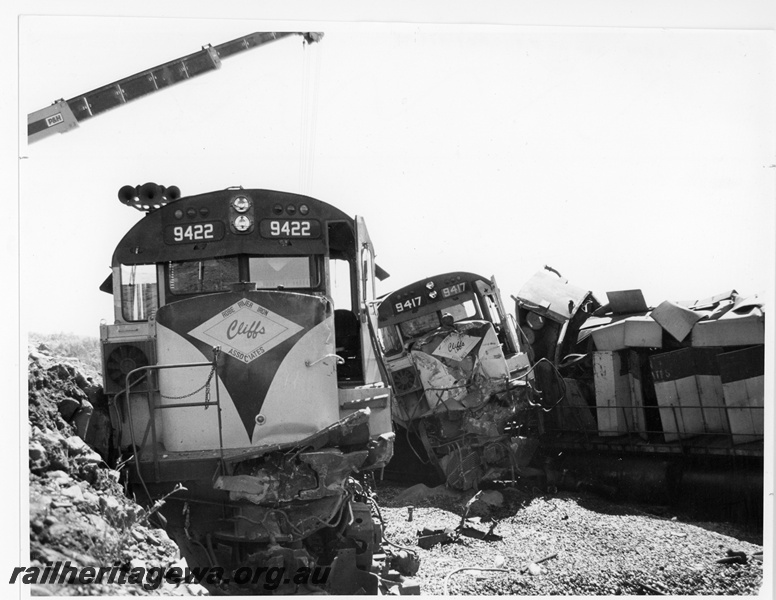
(188,233)
(290,228)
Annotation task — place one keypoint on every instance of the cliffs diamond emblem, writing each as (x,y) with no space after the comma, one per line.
(245,330)
(456,346)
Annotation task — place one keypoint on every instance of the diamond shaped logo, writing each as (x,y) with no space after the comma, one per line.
(245,330)
(456,346)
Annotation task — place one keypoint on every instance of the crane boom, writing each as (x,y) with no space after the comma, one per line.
(64,115)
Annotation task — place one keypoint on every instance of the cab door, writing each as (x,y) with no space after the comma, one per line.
(374,393)
(506,324)
(367,311)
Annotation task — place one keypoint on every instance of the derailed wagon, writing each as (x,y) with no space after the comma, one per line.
(660,403)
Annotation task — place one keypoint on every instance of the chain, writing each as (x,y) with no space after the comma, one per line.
(205,386)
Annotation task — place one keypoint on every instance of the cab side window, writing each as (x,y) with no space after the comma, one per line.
(139,292)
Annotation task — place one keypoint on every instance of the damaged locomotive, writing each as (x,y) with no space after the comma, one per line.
(461,380)
(242,364)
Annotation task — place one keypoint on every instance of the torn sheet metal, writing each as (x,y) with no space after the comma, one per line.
(552,296)
(627,332)
(440,382)
(465,429)
(651,377)
(550,313)
(281,477)
(627,302)
(753,301)
(460,375)
(725,319)
(743,324)
(349,427)
(676,319)
(711,302)
(460,367)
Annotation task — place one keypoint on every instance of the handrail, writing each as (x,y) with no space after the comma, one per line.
(151,408)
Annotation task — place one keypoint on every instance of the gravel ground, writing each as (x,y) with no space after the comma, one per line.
(598,548)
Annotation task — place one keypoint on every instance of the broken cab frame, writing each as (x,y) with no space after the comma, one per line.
(460,376)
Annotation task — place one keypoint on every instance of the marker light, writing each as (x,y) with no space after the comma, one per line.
(303,209)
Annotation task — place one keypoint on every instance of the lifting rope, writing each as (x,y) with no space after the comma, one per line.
(311,71)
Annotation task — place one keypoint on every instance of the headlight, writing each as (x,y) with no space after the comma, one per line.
(241,223)
(241,204)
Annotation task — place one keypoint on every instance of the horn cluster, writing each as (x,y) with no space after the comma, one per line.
(149,196)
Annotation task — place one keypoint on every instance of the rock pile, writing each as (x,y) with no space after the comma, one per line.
(80,515)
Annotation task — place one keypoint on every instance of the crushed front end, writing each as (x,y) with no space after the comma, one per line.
(460,378)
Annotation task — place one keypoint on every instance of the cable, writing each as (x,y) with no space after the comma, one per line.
(382,522)
(311,68)
(303,124)
(314,124)
(409,443)
(558,377)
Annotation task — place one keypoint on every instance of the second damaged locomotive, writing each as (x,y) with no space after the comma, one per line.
(461,379)
(242,365)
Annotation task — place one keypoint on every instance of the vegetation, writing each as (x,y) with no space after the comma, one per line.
(68,345)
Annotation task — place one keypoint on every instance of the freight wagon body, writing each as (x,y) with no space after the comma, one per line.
(663,404)
(242,364)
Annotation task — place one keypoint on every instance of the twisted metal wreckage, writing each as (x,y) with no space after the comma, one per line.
(663,403)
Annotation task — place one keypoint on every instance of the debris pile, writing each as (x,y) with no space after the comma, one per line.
(79,514)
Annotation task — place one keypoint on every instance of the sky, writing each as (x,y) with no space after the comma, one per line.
(625,144)
(623,157)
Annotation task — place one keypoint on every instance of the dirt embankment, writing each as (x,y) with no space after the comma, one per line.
(79,514)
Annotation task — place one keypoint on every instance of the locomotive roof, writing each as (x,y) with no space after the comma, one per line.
(146,243)
(420,288)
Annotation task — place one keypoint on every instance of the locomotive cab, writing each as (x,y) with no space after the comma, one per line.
(451,302)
